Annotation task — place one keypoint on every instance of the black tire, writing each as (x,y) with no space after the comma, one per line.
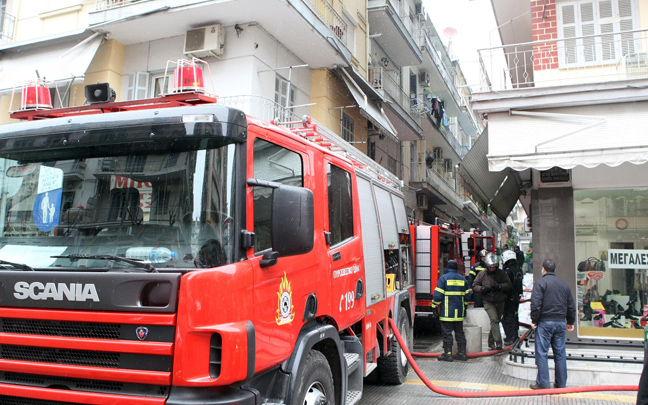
(394,368)
(315,382)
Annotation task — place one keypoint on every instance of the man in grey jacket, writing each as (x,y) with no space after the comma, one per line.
(553,313)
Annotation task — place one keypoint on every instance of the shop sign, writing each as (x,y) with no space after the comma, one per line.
(627,259)
(554,175)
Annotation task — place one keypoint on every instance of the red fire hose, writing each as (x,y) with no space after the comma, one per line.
(494,394)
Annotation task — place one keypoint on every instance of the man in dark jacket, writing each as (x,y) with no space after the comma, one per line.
(453,290)
(478,267)
(553,313)
(494,286)
(510,318)
(519,255)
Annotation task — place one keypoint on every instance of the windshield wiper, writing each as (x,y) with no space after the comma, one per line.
(134,262)
(24,267)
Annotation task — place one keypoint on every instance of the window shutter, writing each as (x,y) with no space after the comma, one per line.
(626,24)
(587,28)
(568,13)
(138,83)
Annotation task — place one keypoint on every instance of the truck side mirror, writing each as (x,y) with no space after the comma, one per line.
(293,220)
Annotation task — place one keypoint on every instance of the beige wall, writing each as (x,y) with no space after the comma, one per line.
(330,93)
(40,18)
(107,66)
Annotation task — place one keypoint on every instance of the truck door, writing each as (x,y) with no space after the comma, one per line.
(280,290)
(344,247)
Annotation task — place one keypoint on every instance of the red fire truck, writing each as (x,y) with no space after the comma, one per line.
(435,245)
(173,251)
(474,242)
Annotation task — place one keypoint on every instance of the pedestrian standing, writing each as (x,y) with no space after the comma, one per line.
(553,313)
(642,393)
(519,255)
(477,268)
(494,285)
(510,318)
(453,290)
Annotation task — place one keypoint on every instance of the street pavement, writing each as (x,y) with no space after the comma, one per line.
(476,374)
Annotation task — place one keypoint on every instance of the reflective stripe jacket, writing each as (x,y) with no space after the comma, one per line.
(451,292)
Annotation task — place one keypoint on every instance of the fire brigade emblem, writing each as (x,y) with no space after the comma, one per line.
(141,332)
(286,311)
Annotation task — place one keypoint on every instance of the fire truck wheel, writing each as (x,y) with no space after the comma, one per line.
(315,384)
(393,368)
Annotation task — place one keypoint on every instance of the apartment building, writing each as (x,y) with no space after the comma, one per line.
(376,74)
(568,122)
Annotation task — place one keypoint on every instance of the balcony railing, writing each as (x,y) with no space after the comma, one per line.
(7,22)
(108,4)
(578,60)
(384,82)
(330,17)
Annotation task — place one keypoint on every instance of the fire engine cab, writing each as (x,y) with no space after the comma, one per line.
(174,251)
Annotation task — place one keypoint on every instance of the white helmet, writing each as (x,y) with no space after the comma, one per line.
(491,260)
(508,255)
(483,253)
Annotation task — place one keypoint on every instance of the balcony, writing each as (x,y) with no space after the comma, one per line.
(579,60)
(386,84)
(7,23)
(314,24)
(395,28)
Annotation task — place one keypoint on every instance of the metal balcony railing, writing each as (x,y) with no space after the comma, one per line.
(260,107)
(108,4)
(330,17)
(410,21)
(7,23)
(384,82)
(578,60)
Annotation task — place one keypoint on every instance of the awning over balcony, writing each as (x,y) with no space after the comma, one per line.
(500,189)
(368,108)
(587,136)
(60,60)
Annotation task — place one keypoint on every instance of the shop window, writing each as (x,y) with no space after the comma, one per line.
(611,265)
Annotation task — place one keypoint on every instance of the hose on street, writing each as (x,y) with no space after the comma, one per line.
(496,394)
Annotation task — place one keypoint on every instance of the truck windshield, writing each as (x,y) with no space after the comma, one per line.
(171,210)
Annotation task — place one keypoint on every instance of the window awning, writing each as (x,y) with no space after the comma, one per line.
(568,137)
(58,62)
(368,108)
(500,189)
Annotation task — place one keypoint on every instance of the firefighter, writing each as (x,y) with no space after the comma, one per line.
(478,267)
(510,318)
(453,290)
(494,286)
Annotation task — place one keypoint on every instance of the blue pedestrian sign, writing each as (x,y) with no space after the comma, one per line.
(47,204)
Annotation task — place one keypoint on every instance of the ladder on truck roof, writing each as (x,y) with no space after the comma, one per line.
(325,138)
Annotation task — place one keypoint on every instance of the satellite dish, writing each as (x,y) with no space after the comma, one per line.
(450,32)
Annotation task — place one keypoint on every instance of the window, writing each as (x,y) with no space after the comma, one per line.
(281,92)
(160,85)
(280,165)
(340,204)
(346,129)
(135,163)
(600,31)
(137,86)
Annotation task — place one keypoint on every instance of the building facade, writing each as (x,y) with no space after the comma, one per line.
(568,120)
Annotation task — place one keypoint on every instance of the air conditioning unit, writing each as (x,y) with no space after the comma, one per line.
(438,153)
(421,201)
(205,41)
(424,79)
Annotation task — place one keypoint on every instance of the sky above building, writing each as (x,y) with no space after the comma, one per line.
(474,28)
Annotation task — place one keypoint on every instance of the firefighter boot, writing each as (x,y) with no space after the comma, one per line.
(461,353)
(447,354)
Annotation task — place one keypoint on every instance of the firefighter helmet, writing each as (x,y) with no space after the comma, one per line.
(483,253)
(491,260)
(508,255)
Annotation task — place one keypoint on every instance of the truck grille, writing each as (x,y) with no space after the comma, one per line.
(55,328)
(131,359)
(5,400)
